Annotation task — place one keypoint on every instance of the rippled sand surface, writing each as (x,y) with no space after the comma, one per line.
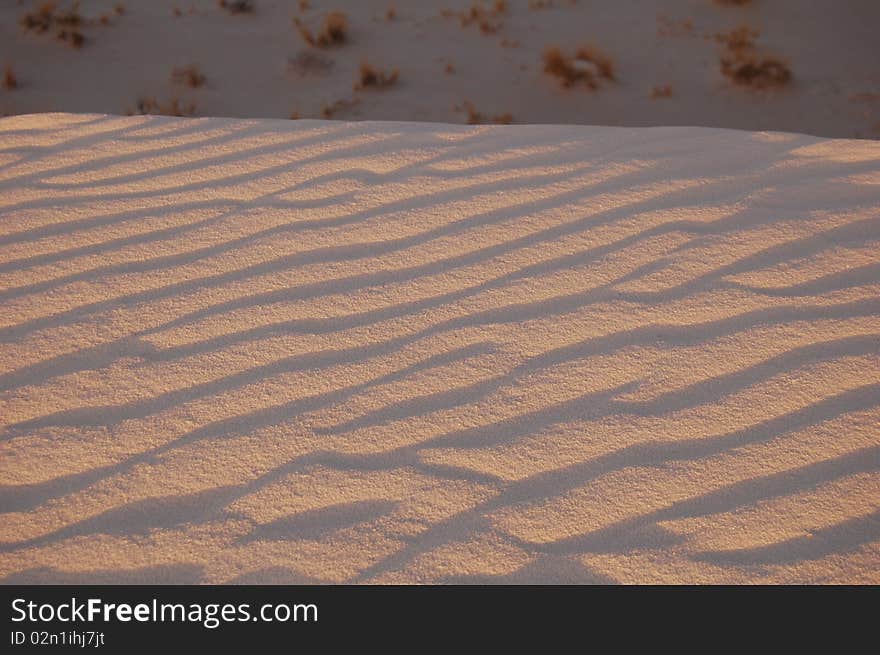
(308,351)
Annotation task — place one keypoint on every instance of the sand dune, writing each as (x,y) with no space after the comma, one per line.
(307,351)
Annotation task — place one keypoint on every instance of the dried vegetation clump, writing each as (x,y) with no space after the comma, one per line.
(67,24)
(744,65)
(174,107)
(334,31)
(48,17)
(588,66)
(370,77)
(10,79)
(487,18)
(474,117)
(237,6)
(189,76)
(344,104)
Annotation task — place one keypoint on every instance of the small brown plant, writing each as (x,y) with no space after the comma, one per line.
(237,6)
(73,37)
(329,111)
(664,91)
(589,65)
(189,76)
(69,18)
(757,72)
(10,80)
(738,41)
(334,31)
(39,20)
(174,107)
(476,118)
(69,22)
(370,77)
(743,64)
(488,19)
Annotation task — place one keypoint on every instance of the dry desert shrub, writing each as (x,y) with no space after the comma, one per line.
(73,37)
(172,108)
(757,72)
(67,23)
(370,77)
(189,76)
(334,31)
(488,19)
(40,20)
(237,6)
(10,80)
(743,64)
(740,40)
(329,111)
(476,118)
(47,15)
(69,18)
(589,65)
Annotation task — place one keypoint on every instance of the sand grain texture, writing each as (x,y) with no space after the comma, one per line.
(307,351)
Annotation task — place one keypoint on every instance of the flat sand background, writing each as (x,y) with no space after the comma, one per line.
(309,351)
(258,65)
